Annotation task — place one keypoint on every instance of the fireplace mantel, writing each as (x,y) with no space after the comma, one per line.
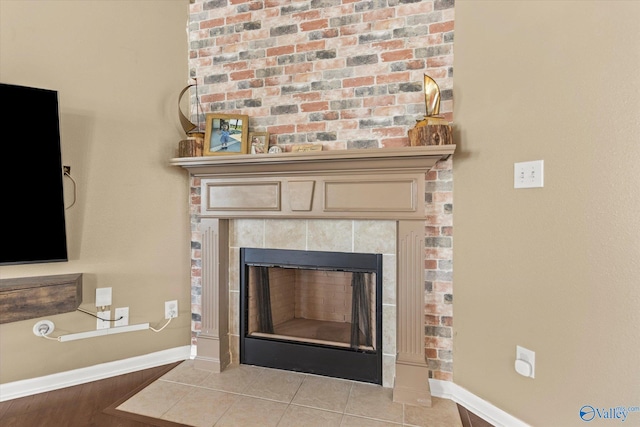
(337,161)
(384,184)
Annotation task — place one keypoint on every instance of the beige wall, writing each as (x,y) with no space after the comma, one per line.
(118,67)
(555,269)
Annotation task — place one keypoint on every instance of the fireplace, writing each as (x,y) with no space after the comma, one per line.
(352,186)
(317,312)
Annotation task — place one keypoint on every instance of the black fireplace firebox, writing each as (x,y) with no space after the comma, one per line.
(313,312)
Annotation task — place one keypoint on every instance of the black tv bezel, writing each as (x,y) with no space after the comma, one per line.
(33,228)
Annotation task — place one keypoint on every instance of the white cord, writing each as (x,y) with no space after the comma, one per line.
(165,325)
(49,338)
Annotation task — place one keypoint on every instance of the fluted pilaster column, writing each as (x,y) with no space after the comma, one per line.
(213,340)
(411,384)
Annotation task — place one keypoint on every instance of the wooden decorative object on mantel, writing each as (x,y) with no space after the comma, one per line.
(431,134)
(192,146)
(32,297)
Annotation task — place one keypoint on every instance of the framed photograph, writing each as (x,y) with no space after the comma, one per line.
(226,134)
(258,142)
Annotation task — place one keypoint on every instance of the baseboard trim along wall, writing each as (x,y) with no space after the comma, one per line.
(32,386)
(480,407)
(17,389)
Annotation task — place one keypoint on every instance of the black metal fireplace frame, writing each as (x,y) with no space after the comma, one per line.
(319,359)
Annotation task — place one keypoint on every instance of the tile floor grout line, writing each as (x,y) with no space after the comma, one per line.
(376,419)
(346,404)
(315,407)
(304,390)
(178,401)
(225,412)
(304,378)
(403,414)
(282,416)
(265,398)
(236,393)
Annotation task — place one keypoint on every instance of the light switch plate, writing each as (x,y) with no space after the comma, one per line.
(103,297)
(528,174)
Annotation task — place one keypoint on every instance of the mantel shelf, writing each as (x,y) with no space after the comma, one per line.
(336,161)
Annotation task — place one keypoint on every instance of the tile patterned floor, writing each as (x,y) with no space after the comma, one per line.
(245,396)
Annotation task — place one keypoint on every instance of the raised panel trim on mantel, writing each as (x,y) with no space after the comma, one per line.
(370,195)
(357,195)
(246,196)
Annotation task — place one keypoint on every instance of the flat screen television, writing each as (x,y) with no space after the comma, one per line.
(32,224)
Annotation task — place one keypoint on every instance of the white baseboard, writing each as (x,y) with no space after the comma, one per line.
(32,386)
(14,390)
(480,407)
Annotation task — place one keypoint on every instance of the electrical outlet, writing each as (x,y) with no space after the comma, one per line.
(525,362)
(103,324)
(528,174)
(66,170)
(122,316)
(170,309)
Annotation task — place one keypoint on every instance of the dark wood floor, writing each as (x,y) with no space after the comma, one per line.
(93,405)
(469,419)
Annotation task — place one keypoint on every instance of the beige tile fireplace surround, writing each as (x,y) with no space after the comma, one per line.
(313,195)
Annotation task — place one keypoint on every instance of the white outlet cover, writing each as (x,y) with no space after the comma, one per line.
(170,307)
(101,324)
(121,312)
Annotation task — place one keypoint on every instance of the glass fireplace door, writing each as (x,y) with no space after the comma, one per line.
(307,306)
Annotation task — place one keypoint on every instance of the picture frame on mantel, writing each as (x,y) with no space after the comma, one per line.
(226,134)
(258,142)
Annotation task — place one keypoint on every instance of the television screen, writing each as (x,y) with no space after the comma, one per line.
(32,225)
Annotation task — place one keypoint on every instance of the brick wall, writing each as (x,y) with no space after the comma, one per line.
(282,284)
(439,270)
(323,295)
(344,74)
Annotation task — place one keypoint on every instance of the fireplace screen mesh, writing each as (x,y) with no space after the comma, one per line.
(313,305)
